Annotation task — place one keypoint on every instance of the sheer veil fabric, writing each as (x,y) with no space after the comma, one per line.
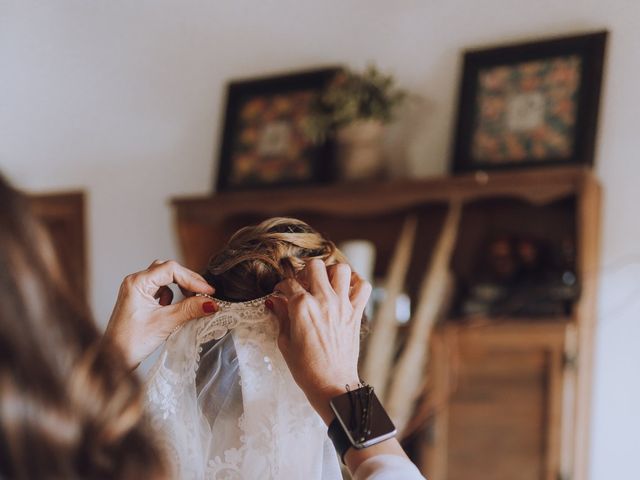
(227,408)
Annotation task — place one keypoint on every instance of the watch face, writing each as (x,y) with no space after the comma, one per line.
(365,422)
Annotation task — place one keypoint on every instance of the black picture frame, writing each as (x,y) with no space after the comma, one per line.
(319,158)
(512,148)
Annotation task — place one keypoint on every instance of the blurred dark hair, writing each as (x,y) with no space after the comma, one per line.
(69,407)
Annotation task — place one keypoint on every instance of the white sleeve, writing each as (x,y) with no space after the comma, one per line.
(387,467)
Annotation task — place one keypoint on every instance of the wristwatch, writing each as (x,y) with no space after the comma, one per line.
(360,422)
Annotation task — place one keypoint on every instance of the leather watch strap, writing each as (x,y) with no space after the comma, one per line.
(339,438)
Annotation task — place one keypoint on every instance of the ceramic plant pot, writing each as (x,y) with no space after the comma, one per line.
(360,150)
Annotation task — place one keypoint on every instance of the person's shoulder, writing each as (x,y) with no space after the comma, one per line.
(387,467)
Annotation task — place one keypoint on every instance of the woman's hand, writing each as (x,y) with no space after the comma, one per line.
(144,316)
(320,330)
(320,341)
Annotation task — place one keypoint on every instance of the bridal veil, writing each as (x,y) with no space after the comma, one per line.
(227,408)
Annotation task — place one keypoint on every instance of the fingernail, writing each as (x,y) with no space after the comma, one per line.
(268,303)
(209,307)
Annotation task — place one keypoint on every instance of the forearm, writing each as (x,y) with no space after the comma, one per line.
(355,457)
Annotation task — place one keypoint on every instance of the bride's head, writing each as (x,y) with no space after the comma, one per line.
(258,257)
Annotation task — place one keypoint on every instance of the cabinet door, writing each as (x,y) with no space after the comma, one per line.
(498,392)
(63,216)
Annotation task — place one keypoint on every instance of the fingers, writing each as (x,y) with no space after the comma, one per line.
(340,278)
(290,287)
(317,277)
(190,309)
(161,274)
(279,307)
(186,293)
(156,263)
(360,293)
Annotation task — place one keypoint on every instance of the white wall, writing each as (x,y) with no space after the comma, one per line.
(123,99)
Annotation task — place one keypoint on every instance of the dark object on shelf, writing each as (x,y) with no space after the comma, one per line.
(264,141)
(531,104)
(523,277)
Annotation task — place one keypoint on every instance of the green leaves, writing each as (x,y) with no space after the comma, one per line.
(353,96)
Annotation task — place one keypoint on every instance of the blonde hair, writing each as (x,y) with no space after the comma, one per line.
(258,257)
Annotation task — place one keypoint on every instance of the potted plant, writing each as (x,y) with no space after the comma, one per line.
(354,109)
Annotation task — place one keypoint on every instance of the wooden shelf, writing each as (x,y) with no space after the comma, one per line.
(481,320)
(344,199)
(512,331)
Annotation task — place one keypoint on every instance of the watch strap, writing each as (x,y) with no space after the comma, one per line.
(339,438)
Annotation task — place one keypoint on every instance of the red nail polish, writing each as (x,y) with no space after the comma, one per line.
(209,307)
(268,303)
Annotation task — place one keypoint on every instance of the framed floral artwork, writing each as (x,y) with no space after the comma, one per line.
(530,104)
(264,141)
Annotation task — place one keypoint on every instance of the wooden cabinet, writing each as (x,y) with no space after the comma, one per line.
(506,405)
(498,391)
(63,216)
